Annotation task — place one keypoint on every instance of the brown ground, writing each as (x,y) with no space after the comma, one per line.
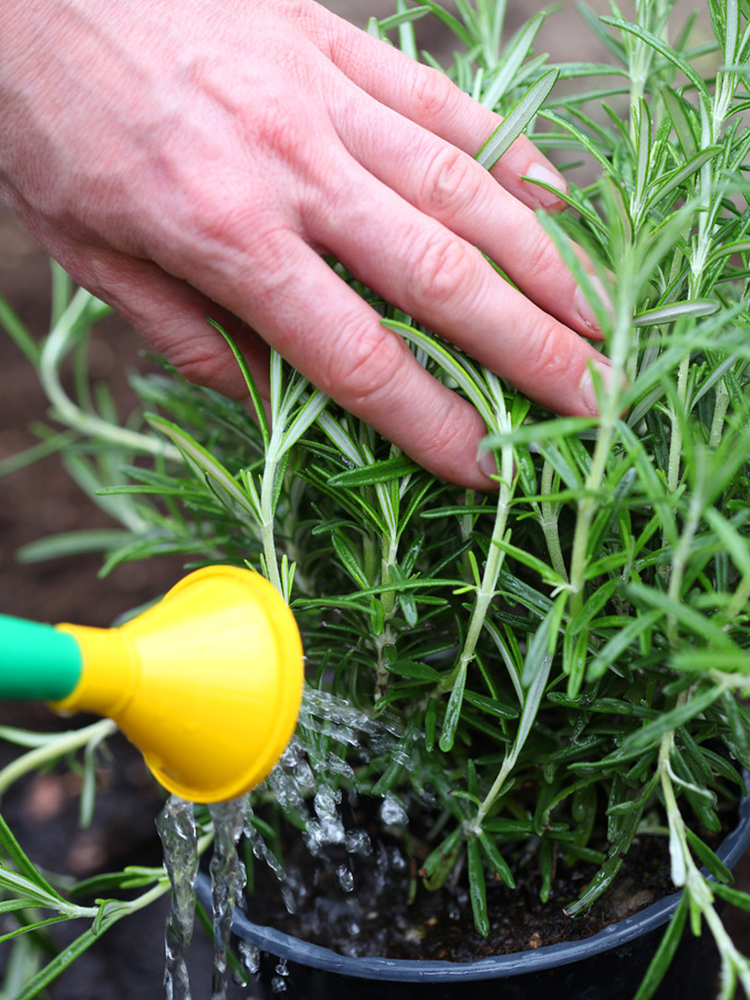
(42,500)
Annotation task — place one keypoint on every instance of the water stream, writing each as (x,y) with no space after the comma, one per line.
(176,826)
(330,732)
(227,882)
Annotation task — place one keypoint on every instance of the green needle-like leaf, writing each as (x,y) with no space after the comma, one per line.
(516,120)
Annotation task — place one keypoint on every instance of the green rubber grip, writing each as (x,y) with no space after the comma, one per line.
(37,662)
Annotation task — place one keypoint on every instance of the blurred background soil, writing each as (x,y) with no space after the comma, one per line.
(127,964)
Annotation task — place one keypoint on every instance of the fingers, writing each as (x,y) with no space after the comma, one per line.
(450,186)
(330,334)
(319,325)
(173,318)
(443,281)
(428,98)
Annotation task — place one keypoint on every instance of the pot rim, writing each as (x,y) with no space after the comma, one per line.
(302,952)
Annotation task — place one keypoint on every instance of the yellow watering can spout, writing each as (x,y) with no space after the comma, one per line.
(207,683)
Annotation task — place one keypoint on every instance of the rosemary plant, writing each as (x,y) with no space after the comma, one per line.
(566,658)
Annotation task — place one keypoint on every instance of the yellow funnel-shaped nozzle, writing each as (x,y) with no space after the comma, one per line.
(207,683)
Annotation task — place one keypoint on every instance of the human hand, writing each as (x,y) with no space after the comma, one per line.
(197,159)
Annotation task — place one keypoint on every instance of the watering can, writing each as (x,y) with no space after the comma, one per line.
(207,683)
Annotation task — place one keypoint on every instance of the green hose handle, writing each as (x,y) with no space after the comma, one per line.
(37,662)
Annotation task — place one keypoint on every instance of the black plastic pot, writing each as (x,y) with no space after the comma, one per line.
(607,966)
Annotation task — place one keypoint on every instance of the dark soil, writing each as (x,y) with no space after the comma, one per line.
(388,912)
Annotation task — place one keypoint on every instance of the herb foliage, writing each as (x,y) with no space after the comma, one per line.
(568,657)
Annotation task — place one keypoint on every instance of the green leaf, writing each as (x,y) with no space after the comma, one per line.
(11,905)
(675,311)
(73,543)
(456,366)
(30,928)
(205,466)
(379,472)
(598,885)
(515,54)
(728,250)
(349,558)
(440,863)
(477,886)
(516,121)
(51,445)
(18,333)
(733,896)
(575,658)
(713,864)
(653,731)
(491,706)
(250,382)
(537,433)
(453,710)
(533,562)
(495,858)
(666,183)
(663,49)
(684,118)
(64,959)
(28,888)
(25,867)
(413,669)
(706,660)
(619,643)
(696,623)
(430,724)
(592,606)
(585,140)
(664,953)
(305,416)
(538,659)
(404,17)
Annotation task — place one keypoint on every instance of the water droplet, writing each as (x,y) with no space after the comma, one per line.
(392,813)
(346,877)
(396,859)
(288,897)
(358,842)
(250,957)
(282,967)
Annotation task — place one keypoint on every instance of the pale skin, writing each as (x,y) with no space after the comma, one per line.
(198,159)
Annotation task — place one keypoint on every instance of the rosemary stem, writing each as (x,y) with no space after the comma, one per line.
(58,747)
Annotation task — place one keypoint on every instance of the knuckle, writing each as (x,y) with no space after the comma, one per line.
(432,93)
(204,365)
(548,359)
(206,214)
(448,431)
(364,367)
(446,435)
(222,226)
(442,273)
(540,255)
(449,182)
(272,129)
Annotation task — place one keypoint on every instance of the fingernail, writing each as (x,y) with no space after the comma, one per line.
(487,464)
(598,373)
(550,177)
(584,308)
